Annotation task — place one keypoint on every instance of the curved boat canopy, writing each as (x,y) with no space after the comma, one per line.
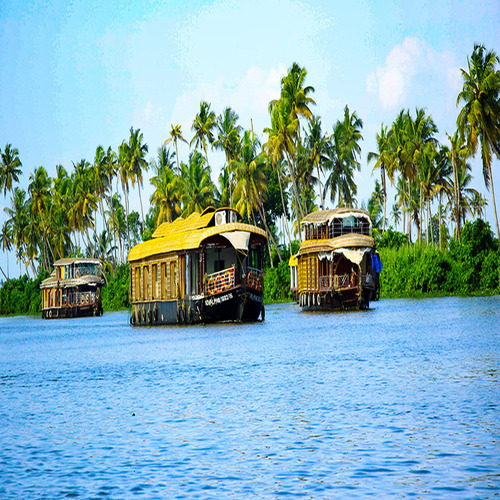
(188,234)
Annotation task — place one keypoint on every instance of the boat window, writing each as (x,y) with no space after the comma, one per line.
(254,258)
(173,279)
(155,281)
(348,221)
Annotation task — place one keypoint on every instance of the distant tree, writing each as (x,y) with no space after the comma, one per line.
(10,168)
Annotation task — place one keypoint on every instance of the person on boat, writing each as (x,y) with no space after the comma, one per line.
(376,270)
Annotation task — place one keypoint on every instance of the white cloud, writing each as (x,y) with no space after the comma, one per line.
(413,69)
(248,95)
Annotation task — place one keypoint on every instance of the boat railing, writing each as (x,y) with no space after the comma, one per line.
(220,281)
(255,279)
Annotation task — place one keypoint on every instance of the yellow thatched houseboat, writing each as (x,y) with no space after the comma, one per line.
(333,267)
(205,268)
(73,289)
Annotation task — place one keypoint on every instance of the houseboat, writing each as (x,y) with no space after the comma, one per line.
(73,289)
(205,268)
(333,267)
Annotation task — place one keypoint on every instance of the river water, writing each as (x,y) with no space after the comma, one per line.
(398,401)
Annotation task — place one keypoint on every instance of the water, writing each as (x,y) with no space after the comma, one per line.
(398,401)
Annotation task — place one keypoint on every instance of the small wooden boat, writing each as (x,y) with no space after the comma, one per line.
(333,268)
(73,289)
(205,268)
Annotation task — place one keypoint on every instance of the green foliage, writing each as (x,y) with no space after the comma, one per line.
(115,295)
(277,283)
(390,239)
(470,267)
(21,296)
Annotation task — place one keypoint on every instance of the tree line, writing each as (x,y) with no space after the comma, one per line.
(275,182)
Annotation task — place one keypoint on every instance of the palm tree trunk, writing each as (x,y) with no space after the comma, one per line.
(140,201)
(493,200)
(284,211)
(177,156)
(263,216)
(320,189)
(440,222)
(382,170)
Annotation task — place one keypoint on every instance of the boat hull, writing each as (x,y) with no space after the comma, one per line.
(72,312)
(333,300)
(237,304)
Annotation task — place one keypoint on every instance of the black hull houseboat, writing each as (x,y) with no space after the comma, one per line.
(333,268)
(73,289)
(205,268)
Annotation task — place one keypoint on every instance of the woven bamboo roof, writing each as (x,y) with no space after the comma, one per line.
(325,216)
(186,234)
(351,240)
(75,260)
(88,279)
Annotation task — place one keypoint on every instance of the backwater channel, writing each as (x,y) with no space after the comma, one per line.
(402,400)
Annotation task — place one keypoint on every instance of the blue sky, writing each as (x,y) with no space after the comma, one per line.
(77,74)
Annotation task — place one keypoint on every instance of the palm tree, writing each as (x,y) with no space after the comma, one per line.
(10,168)
(317,152)
(198,189)
(176,136)
(203,125)
(250,191)
(284,134)
(344,150)
(479,118)
(167,195)
(396,214)
(6,241)
(137,162)
(19,221)
(40,200)
(457,155)
(281,145)
(85,201)
(444,183)
(381,161)
(124,165)
(118,221)
(228,140)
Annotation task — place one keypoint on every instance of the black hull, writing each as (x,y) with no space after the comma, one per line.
(72,312)
(331,301)
(236,305)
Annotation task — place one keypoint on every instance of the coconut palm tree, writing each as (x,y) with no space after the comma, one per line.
(281,145)
(396,214)
(166,199)
(381,161)
(317,152)
(19,221)
(228,140)
(176,136)
(203,126)
(40,201)
(6,241)
(197,186)
(136,152)
(344,152)
(10,168)
(117,221)
(457,154)
(124,166)
(479,118)
(250,191)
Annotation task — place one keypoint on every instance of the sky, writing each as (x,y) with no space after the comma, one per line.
(75,74)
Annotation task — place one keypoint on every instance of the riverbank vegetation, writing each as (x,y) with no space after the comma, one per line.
(298,166)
